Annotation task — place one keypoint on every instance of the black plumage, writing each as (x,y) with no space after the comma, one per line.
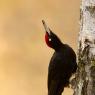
(62,64)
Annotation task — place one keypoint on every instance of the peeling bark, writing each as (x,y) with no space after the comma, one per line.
(85,76)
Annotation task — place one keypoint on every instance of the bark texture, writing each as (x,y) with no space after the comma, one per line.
(85,76)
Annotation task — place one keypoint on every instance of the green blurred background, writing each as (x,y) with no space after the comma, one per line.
(24,56)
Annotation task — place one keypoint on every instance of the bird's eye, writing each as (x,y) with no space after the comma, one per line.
(49,39)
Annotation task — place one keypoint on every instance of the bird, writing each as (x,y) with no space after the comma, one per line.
(62,64)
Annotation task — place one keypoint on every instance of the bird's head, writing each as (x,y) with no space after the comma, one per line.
(51,39)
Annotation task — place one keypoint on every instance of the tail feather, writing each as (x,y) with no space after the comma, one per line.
(56,88)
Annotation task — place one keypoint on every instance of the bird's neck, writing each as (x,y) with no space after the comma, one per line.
(58,46)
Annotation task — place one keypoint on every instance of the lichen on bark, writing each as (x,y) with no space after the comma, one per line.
(85,75)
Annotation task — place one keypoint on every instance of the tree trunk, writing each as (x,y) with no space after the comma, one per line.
(85,76)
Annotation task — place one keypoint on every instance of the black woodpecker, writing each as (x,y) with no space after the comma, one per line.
(62,64)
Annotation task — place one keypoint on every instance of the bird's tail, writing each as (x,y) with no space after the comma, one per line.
(56,88)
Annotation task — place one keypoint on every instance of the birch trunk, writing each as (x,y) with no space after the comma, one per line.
(85,76)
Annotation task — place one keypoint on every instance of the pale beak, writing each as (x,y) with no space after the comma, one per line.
(46,27)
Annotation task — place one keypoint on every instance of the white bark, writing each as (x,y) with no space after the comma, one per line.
(85,76)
